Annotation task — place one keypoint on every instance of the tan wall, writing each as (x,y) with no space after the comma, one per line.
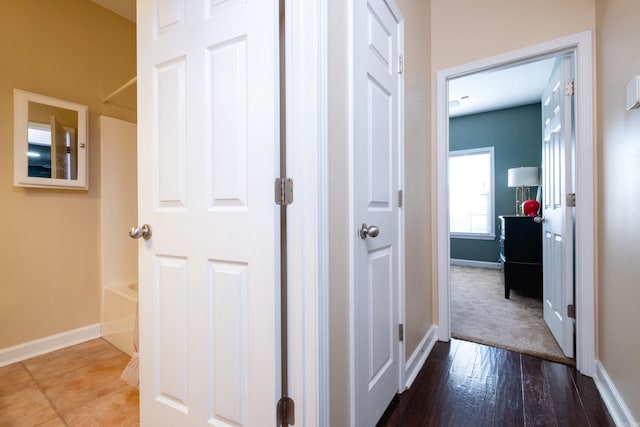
(50,239)
(464,31)
(619,181)
(418,304)
(417,194)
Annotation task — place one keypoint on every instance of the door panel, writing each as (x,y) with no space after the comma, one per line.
(170,129)
(380,144)
(208,153)
(381,312)
(170,341)
(227,64)
(230,307)
(557,230)
(376,169)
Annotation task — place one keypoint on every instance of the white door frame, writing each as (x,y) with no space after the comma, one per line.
(353,226)
(307,217)
(581,45)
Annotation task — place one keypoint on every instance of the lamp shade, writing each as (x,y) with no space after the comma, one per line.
(523,177)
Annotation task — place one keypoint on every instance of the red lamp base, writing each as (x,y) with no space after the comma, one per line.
(530,207)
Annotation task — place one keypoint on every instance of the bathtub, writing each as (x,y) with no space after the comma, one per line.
(119,314)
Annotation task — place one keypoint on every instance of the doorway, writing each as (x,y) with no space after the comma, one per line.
(494,130)
(580,44)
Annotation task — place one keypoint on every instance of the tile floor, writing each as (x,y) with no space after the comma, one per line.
(75,386)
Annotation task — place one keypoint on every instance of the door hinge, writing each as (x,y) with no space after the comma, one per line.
(284,191)
(285,412)
(401,332)
(400,197)
(571,311)
(400,64)
(570,88)
(571,200)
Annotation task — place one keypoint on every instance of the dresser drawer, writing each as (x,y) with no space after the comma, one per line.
(522,239)
(524,277)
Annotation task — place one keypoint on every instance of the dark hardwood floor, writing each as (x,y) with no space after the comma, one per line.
(468,384)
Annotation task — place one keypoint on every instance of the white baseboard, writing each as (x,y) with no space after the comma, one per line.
(40,346)
(618,409)
(474,263)
(419,356)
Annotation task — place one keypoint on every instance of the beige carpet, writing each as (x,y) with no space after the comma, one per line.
(480,313)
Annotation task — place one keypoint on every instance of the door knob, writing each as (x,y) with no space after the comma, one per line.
(138,232)
(371,231)
(538,219)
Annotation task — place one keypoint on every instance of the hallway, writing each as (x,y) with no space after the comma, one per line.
(464,384)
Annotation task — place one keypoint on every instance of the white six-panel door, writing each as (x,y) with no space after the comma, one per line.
(376,170)
(208,155)
(557,228)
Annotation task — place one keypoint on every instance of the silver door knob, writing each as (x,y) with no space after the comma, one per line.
(138,232)
(538,219)
(371,231)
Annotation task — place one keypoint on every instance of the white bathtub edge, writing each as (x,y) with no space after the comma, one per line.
(123,290)
(48,344)
(118,316)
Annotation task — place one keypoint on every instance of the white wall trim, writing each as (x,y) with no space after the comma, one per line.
(323,347)
(442,206)
(401,185)
(585,225)
(48,344)
(419,356)
(474,263)
(581,45)
(614,402)
(351,11)
(307,218)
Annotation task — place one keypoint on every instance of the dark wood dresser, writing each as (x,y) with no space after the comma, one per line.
(521,254)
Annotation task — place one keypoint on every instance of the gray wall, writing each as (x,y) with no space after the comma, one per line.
(516,134)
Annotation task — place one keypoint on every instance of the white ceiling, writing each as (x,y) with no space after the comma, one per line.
(124,8)
(498,89)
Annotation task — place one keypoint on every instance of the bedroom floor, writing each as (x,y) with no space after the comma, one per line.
(75,386)
(480,313)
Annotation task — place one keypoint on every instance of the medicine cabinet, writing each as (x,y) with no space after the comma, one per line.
(50,142)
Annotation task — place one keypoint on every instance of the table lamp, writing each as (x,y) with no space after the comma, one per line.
(522,178)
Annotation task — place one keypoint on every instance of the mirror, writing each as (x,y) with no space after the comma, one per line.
(50,142)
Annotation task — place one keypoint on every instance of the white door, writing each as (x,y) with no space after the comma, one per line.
(377,138)
(557,227)
(208,155)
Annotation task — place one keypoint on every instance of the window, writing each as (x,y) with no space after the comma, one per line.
(471,194)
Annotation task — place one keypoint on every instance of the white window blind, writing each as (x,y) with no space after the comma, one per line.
(471,193)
